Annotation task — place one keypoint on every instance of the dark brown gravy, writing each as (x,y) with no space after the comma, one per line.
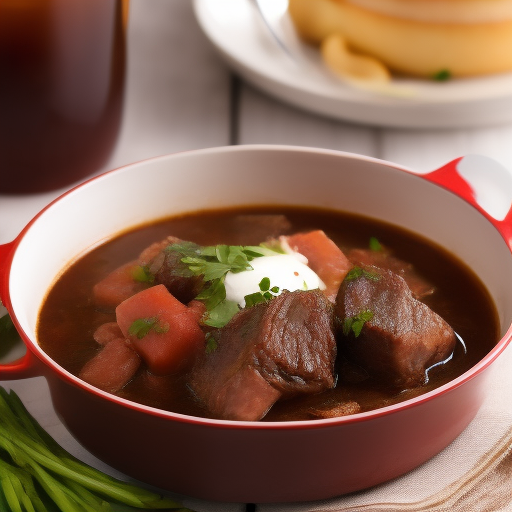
(69,316)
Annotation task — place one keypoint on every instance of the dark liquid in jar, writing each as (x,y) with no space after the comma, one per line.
(62,67)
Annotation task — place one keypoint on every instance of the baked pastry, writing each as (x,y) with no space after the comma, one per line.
(423,38)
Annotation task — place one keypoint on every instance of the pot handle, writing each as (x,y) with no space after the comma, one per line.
(27,365)
(482,182)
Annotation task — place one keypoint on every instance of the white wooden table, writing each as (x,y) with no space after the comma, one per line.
(182,96)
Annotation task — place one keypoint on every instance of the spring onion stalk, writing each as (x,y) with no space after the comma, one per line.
(38,475)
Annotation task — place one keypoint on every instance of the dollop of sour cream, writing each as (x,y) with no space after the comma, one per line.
(286,271)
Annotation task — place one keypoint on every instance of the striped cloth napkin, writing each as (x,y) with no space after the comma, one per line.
(473,474)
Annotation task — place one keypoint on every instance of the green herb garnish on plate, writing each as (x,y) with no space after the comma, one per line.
(442,75)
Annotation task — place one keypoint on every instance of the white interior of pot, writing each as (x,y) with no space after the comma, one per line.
(253,175)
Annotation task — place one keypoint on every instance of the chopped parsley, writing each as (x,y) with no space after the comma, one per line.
(213,263)
(265,294)
(221,314)
(357,272)
(211,343)
(142,326)
(442,75)
(142,274)
(375,245)
(355,323)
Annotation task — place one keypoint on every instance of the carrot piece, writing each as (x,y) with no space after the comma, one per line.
(118,286)
(112,368)
(324,257)
(198,308)
(164,331)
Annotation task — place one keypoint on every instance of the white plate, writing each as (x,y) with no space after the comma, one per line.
(237,32)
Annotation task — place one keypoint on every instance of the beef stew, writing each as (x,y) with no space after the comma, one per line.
(326,363)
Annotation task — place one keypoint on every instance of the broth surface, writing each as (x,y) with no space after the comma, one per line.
(69,315)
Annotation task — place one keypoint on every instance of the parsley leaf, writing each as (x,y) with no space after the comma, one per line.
(265,294)
(355,323)
(213,263)
(222,313)
(210,270)
(357,272)
(142,274)
(442,75)
(142,326)
(375,245)
(213,293)
(264,285)
(211,343)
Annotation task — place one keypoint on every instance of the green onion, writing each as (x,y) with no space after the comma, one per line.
(37,474)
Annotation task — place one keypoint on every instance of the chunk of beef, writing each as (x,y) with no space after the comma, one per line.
(400,336)
(168,269)
(297,347)
(245,396)
(280,348)
(324,257)
(225,379)
(419,286)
